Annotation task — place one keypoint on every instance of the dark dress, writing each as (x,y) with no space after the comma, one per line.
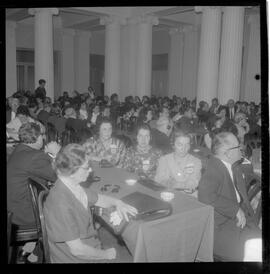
(25,162)
(67,220)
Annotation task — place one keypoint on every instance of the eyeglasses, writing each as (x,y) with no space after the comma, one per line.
(88,168)
(234,147)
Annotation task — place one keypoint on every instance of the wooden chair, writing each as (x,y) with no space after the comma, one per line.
(30,234)
(199,140)
(253,188)
(45,245)
(9,225)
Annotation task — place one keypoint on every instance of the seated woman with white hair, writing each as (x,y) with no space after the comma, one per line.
(71,235)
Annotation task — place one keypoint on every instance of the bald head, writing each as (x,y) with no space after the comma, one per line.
(226,146)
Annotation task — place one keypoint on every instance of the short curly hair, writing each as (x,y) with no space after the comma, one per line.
(180,133)
(69,159)
(29,133)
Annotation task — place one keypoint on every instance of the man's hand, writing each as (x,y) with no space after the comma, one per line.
(241,219)
(123,209)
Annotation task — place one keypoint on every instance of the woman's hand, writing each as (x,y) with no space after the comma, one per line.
(52,148)
(123,209)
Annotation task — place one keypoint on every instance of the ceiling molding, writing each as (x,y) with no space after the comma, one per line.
(87,24)
(17,14)
(172,23)
(80,11)
(175,10)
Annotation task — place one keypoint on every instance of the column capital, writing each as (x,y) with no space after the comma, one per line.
(107,20)
(52,11)
(67,31)
(83,33)
(11,24)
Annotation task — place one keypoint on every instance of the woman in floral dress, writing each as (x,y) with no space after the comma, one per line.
(143,158)
(106,147)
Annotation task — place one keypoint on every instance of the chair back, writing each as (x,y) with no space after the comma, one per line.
(51,132)
(41,199)
(35,188)
(253,188)
(9,226)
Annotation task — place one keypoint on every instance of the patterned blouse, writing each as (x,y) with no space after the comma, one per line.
(115,153)
(142,161)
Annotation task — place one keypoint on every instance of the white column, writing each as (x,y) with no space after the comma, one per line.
(176,61)
(81,58)
(190,62)
(68,74)
(44,47)
(132,56)
(209,54)
(112,55)
(124,59)
(144,62)
(252,87)
(231,54)
(11,66)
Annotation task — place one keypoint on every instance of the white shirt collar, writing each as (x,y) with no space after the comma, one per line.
(229,168)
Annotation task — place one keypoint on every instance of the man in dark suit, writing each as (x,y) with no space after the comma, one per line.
(28,161)
(222,187)
(41,91)
(230,112)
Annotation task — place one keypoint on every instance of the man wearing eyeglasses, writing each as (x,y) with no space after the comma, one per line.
(233,219)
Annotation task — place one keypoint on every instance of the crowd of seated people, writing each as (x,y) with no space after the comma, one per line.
(156,140)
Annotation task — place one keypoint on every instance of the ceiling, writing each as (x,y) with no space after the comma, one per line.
(88,18)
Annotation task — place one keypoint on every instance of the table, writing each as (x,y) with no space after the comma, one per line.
(184,236)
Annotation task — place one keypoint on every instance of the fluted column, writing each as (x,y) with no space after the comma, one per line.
(209,53)
(231,54)
(11,66)
(132,56)
(112,54)
(81,60)
(44,47)
(251,90)
(176,61)
(68,73)
(144,62)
